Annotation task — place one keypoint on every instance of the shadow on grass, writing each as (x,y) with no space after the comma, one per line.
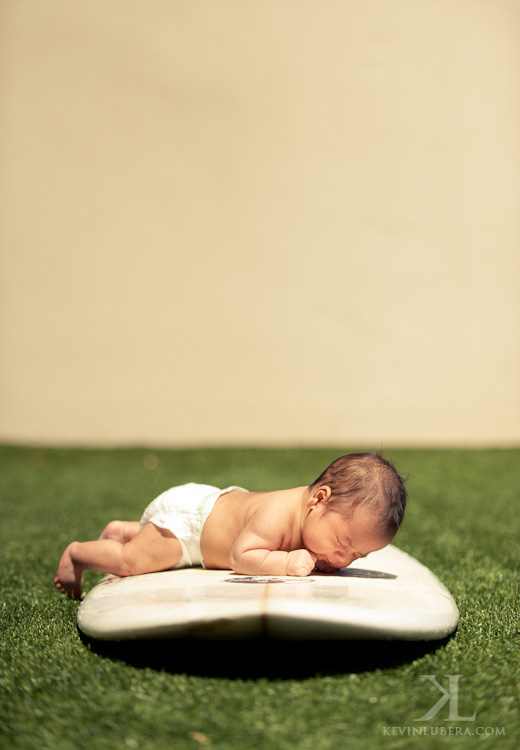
(264,657)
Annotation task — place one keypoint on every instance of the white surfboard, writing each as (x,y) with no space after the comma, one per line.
(388,595)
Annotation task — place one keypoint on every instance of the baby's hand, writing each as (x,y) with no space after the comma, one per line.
(300,562)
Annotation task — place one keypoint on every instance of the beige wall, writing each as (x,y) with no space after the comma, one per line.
(260,221)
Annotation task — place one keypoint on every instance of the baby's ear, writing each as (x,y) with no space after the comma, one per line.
(321,495)
(328,493)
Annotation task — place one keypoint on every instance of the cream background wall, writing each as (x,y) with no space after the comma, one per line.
(261,222)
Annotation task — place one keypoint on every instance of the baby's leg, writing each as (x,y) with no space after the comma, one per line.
(151,549)
(120,531)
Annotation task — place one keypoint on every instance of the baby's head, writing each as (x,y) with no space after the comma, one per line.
(367,482)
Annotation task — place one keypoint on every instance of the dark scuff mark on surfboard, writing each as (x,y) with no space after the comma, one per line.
(343,572)
(360,573)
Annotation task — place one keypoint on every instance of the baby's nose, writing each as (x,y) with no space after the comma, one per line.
(345,558)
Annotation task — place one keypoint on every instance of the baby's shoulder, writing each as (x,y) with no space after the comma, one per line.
(277,503)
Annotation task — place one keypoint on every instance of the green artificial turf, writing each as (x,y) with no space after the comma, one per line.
(59,690)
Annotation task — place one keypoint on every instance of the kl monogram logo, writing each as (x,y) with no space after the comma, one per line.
(452,696)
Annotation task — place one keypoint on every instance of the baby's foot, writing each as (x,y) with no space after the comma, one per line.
(68,576)
(114,530)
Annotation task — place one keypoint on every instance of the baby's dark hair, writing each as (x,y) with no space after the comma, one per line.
(365,479)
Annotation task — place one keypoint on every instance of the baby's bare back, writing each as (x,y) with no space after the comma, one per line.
(234,510)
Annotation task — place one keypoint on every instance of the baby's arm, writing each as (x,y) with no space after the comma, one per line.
(256,552)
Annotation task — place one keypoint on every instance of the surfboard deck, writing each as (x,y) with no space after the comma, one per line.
(388,595)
